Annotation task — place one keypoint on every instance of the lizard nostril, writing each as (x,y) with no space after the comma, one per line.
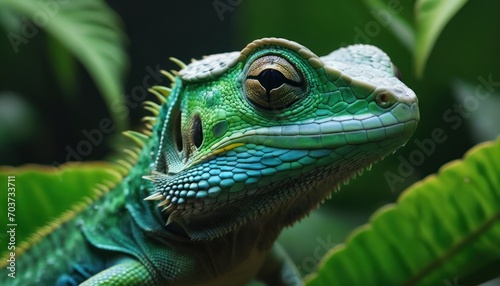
(385,99)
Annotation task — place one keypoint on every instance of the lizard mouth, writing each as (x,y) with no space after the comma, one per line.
(329,133)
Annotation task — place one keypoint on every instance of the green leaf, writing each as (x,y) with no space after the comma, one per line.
(65,69)
(390,16)
(317,233)
(444,228)
(431,17)
(92,32)
(44,193)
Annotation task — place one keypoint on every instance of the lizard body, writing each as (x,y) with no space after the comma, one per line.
(243,145)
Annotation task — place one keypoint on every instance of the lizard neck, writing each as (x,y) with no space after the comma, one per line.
(259,233)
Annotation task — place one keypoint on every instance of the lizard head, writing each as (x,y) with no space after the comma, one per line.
(273,129)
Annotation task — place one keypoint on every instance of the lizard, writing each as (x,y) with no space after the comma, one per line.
(240,146)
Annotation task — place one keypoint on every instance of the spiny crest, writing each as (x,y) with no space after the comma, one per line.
(178,62)
(133,152)
(139,138)
(161,93)
(169,75)
(152,107)
(103,187)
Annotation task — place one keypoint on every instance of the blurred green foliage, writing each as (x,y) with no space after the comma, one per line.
(43,45)
(44,190)
(444,228)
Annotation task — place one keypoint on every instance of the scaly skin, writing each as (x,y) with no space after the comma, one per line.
(247,143)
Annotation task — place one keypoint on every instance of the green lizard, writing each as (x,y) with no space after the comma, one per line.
(242,145)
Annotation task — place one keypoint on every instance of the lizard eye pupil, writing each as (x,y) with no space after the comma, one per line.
(271,79)
(272,82)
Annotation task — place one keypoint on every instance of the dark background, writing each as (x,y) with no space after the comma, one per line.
(40,120)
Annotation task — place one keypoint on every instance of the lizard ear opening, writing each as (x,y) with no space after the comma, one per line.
(177,133)
(272,82)
(197,132)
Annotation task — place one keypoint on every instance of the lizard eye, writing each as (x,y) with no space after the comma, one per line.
(273,83)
